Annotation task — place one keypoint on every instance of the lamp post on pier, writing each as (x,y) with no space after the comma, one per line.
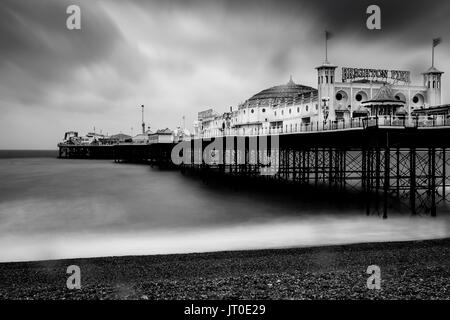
(143,123)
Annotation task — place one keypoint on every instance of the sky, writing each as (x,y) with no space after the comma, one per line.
(184,56)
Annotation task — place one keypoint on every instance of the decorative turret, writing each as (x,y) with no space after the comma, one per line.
(432,79)
(326,79)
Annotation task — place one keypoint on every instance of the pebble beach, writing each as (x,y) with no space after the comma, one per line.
(409,270)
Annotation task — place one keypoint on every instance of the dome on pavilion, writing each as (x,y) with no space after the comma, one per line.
(282,93)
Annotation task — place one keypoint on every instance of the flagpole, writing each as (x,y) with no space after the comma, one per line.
(432,54)
(326,47)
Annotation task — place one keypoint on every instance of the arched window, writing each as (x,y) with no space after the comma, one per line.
(361,96)
(418,100)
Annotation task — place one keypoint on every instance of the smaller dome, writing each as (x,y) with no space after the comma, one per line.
(384,96)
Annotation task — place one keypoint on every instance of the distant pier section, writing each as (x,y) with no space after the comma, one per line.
(149,147)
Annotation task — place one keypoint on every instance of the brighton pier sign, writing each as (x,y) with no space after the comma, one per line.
(375,74)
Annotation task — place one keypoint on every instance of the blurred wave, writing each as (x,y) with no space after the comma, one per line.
(51,209)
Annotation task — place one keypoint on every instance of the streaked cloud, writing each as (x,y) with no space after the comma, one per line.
(179,57)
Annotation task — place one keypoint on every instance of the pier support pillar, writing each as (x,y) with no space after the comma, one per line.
(433,181)
(387,169)
(412,183)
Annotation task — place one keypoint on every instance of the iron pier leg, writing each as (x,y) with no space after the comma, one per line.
(330,167)
(444,180)
(377,178)
(323,166)
(387,169)
(294,166)
(398,173)
(433,181)
(303,166)
(363,169)
(316,166)
(344,169)
(308,164)
(412,170)
(368,179)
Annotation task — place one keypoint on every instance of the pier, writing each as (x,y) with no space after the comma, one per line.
(386,160)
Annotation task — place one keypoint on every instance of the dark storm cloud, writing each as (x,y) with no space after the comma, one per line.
(405,17)
(34,37)
(406,24)
(410,23)
(38,53)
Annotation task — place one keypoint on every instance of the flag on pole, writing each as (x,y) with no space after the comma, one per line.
(328,35)
(436,42)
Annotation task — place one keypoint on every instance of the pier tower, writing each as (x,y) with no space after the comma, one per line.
(432,81)
(326,79)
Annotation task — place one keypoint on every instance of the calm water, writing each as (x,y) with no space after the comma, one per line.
(51,208)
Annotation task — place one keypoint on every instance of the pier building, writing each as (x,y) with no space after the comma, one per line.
(142,138)
(162,136)
(362,92)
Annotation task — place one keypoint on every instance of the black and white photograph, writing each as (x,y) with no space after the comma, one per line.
(214,157)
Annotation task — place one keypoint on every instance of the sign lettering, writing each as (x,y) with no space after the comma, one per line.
(375,74)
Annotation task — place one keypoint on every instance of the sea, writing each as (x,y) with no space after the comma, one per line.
(57,208)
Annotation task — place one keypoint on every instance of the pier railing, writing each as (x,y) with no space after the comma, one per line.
(341,124)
